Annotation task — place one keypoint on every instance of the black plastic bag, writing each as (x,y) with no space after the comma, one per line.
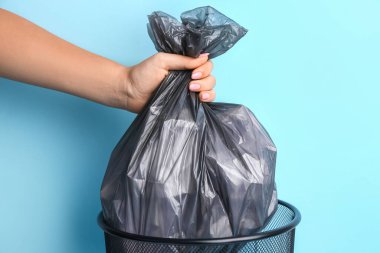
(187,169)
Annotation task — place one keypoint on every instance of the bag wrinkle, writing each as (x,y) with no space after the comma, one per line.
(184,168)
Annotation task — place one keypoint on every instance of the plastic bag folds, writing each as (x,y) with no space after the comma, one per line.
(184,168)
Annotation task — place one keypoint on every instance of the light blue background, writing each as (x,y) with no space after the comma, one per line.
(308,69)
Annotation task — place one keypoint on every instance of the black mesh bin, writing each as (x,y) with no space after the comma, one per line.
(276,237)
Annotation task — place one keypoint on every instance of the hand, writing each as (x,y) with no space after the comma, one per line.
(142,79)
(32,55)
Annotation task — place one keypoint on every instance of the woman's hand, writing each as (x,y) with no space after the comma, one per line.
(143,78)
(30,54)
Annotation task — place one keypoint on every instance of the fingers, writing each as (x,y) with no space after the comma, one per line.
(207,96)
(204,84)
(179,62)
(204,87)
(202,71)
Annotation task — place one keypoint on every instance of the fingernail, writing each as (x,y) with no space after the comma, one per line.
(194,86)
(196,75)
(204,55)
(205,96)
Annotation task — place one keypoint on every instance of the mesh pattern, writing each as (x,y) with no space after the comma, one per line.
(281,243)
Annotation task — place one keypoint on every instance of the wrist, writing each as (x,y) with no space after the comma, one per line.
(120,96)
(129,97)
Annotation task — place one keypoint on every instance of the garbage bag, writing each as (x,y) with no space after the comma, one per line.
(184,168)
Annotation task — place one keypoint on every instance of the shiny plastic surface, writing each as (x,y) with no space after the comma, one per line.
(277,236)
(187,169)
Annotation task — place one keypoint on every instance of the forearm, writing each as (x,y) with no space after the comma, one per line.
(30,54)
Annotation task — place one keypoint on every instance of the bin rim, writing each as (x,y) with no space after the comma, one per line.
(210,241)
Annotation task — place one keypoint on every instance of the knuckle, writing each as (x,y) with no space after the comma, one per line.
(207,67)
(158,56)
(212,79)
(160,59)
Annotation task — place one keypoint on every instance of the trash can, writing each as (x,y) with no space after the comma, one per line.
(276,237)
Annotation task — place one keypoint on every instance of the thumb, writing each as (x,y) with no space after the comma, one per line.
(179,62)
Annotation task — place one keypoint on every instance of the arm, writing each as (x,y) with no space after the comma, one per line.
(32,55)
